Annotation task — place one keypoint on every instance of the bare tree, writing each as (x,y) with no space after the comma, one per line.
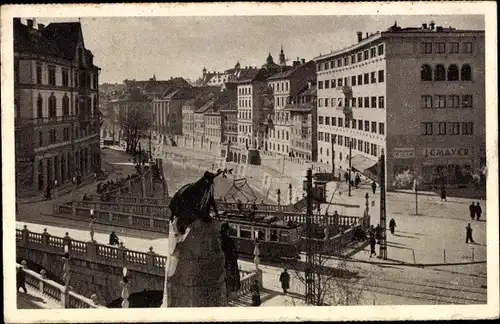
(134,121)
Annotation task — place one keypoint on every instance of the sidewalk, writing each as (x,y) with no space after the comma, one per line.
(35,300)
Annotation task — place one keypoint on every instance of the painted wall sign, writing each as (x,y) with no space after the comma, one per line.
(446,152)
(404,153)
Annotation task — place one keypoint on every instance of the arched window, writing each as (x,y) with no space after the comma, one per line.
(65,105)
(453,73)
(466,72)
(39,106)
(439,73)
(76,105)
(52,106)
(426,73)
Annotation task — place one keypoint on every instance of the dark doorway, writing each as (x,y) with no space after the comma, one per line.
(143,299)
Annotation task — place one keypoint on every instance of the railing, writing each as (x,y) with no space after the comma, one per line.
(334,245)
(45,120)
(156,210)
(51,289)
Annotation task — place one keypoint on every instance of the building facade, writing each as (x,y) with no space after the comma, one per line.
(57,117)
(213,131)
(417,93)
(167,111)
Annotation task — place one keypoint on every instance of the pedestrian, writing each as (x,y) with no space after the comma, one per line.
(443,193)
(239,205)
(346,177)
(372,246)
(374,187)
(113,239)
(392,225)
(479,211)
(285,281)
(357,180)
(21,278)
(468,234)
(472,210)
(254,289)
(47,193)
(377,233)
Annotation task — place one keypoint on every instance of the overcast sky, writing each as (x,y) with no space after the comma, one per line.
(138,47)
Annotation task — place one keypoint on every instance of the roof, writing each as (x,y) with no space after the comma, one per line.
(288,73)
(249,75)
(205,107)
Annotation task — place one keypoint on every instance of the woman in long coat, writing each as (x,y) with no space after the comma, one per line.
(254,289)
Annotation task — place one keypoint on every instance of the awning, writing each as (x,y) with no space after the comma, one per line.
(366,166)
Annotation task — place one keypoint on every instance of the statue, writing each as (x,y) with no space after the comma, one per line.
(231,259)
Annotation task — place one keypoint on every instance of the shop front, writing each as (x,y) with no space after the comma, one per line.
(449,166)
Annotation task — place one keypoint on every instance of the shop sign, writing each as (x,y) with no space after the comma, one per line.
(445,152)
(404,153)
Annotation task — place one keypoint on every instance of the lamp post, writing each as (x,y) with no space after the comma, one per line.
(383,242)
(350,166)
(290,193)
(309,294)
(66,268)
(334,139)
(278,192)
(91,226)
(125,294)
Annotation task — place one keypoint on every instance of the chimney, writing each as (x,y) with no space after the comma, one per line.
(29,23)
(360,36)
(303,61)
(366,35)
(41,27)
(432,24)
(424,26)
(296,64)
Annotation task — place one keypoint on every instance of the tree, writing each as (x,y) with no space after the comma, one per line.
(134,120)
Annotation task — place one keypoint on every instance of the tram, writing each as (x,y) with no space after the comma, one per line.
(277,239)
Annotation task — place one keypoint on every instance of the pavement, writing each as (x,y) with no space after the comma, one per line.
(33,299)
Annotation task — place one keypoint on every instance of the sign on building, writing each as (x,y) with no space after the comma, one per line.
(446,152)
(404,153)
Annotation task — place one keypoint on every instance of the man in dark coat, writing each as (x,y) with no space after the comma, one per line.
(21,279)
(468,234)
(392,225)
(374,187)
(479,211)
(231,259)
(472,210)
(372,245)
(285,281)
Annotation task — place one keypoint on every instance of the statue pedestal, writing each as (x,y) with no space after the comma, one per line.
(199,278)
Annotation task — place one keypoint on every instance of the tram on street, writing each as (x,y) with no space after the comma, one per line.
(277,239)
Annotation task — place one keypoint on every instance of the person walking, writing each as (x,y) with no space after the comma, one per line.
(346,177)
(374,187)
(372,245)
(392,225)
(285,281)
(479,211)
(468,234)
(377,233)
(443,193)
(21,279)
(472,210)
(254,289)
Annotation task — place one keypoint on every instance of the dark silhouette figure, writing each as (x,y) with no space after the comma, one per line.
(113,239)
(377,233)
(443,193)
(372,246)
(472,210)
(346,177)
(479,211)
(231,259)
(285,281)
(254,289)
(47,193)
(21,279)
(374,187)
(239,205)
(392,225)
(468,234)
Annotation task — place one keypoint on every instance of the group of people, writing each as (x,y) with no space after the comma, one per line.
(255,290)
(475,211)
(103,187)
(375,235)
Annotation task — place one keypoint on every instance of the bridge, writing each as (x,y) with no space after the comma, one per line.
(96,269)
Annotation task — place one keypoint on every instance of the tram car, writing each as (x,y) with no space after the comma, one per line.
(277,239)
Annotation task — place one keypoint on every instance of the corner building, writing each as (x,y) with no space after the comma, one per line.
(418,93)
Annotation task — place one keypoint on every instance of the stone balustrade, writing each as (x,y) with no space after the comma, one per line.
(51,289)
(161,211)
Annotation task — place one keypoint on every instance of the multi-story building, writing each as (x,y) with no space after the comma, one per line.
(229,117)
(57,121)
(188,109)
(417,93)
(199,123)
(213,130)
(286,86)
(167,110)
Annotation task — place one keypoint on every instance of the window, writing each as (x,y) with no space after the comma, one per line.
(440,47)
(327,139)
(367,126)
(353,80)
(339,102)
(381,49)
(374,102)
(373,78)
(453,73)
(365,55)
(439,101)
(340,140)
(367,102)
(373,52)
(366,78)
(326,102)
(353,102)
(453,47)
(467,47)
(346,60)
(346,123)
(439,73)
(320,85)
(381,128)
(454,128)
(425,73)
(327,120)
(38,74)
(360,102)
(52,106)
(40,139)
(65,78)
(453,101)
(426,48)
(339,82)
(52,75)
(360,79)
(353,58)
(426,128)
(66,134)
(466,72)
(441,128)
(52,136)
(327,65)
(354,123)
(467,101)
(467,128)
(75,78)
(381,102)
(65,105)
(359,57)
(380,76)
(360,145)
(334,121)
(320,102)
(339,122)
(39,106)
(320,120)
(426,101)
(374,127)
(327,84)
(360,124)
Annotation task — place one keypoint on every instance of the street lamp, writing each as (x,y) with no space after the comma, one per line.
(383,242)
(66,268)
(278,192)
(290,193)
(125,294)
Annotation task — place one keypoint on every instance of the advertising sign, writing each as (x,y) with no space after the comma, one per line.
(404,153)
(446,152)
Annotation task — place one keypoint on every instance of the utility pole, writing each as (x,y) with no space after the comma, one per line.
(309,252)
(150,151)
(415,188)
(334,138)
(383,242)
(350,157)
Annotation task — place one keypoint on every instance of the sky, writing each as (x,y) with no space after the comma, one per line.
(138,47)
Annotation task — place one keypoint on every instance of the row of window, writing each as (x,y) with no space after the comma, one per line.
(245,128)
(359,145)
(447,128)
(440,47)
(54,135)
(446,101)
(244,115)
(245,90)
(212,132)
(441,74)
(278,147)
(363,125)
(245,103)
(279,134)
(84,79)
(52,106)
(353,58)
(280,86)
(361,79)
(356,102)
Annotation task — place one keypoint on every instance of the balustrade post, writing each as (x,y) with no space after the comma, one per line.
(91,250)
(67,240)
(151,254)
(43,275)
